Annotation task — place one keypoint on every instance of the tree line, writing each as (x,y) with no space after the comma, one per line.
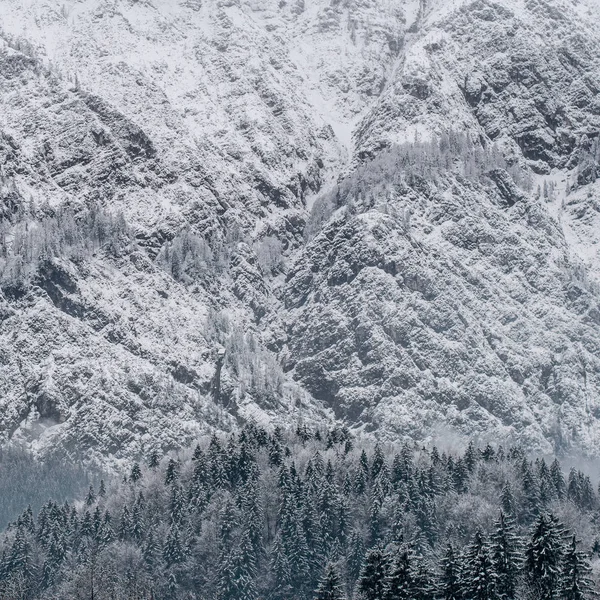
(314,514)
(400,168)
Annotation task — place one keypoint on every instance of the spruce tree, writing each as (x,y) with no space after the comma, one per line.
(124,525)
(172,472)
(238,572)
(20,557)
(399,582)
(330,585)
(106,533)
(575,583)
(373,577)
(481,577)
(150,552)
(507,500)
(506,557)
(137,522)
(136,473)
(91,496)
(450,583)
(543,557)
(422,580)
(154,460)
(378,462)
(280,568)
(355,556)
(471,456)
(558,479)
(173,551)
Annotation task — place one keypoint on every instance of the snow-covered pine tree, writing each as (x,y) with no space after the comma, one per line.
(423,584)
(575,583)
(172,472)
(136,473)
(506,557)
(373,577)
(124,530)
(91,496)
(450,585)
(544,555)
(480,576)
(150,552)
(238,572)
(558,479)
(399,581)
(330,585)
(507,499)
(173,553)
(280,568)
(154,459)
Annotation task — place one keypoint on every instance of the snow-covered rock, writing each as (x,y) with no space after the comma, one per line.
(457,299)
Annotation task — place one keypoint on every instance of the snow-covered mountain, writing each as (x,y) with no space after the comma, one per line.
(384,212)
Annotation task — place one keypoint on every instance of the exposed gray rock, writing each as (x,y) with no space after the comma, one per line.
(443,295)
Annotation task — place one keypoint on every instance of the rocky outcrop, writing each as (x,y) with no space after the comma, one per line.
(436,291)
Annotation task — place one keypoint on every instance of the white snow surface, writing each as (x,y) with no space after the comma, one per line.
(227,115)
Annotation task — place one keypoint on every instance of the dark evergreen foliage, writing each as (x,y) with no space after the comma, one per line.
(285,516)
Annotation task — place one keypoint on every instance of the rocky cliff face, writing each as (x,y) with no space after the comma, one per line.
(383,212)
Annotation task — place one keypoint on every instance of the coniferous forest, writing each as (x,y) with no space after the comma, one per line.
(314,514)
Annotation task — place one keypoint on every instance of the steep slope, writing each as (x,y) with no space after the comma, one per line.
(182,145)
(109,353)
(479,316)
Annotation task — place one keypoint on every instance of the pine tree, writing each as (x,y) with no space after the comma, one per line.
(531,489)
(173,550)
(507,500)
(460,476)
(137,522)
(399,582)
(102,490)
(20,557)
(252,513)
(150,552)
(360,481)
(558,479)
(506,557)
(363,464)
(125,524)
(177,503)
(355,556)
(544,555)
(481,576)
(228,523)
(172,472)
(378,462)
(198,454)
(136,473)
(106,534)
(154,460)
(470,458)
(87,525)
(330,586)
(91,497)
(281,570)
(373,577)
(575,583)
(238,572)
(450,585)
(423,580)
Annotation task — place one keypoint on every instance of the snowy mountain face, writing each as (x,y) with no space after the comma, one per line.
(383,212)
